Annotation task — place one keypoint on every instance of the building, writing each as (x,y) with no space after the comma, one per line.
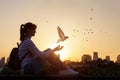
(108,58)
(86,58)
(95,56)
(118,59)
(2,61)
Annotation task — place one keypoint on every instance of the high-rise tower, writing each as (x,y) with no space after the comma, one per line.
(86,58)
(108,58)
(95,56)
(118,59)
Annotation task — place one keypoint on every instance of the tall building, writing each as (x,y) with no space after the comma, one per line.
(2,61)
(86,58)
(118,59)
(95,56)
(108,58)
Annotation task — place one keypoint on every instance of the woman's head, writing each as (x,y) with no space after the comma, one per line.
(27,30)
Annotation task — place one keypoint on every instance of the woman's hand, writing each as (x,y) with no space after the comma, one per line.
(58,48)
(47,50)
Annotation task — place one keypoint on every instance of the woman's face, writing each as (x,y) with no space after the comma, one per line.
(32,31)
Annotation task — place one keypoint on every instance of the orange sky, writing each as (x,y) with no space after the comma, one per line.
(77,18)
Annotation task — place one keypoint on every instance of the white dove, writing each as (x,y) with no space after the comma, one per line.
(61,35)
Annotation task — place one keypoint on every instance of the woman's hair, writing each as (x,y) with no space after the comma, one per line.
(23,30)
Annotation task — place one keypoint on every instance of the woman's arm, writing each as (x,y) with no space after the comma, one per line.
(36,52)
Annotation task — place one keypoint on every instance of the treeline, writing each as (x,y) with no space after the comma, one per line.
(96,68)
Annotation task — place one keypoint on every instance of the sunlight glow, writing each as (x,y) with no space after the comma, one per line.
(63,52)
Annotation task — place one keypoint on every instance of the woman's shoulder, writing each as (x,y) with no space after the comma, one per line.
(27,41)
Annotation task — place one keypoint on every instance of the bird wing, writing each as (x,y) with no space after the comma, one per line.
(61,34)
(58,40)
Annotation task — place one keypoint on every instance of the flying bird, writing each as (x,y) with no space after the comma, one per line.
(91,9)
(91,18)
(61,35)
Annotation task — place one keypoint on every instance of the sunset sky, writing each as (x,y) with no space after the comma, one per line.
(92,25)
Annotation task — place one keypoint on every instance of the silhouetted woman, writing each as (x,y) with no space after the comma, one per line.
(35,60)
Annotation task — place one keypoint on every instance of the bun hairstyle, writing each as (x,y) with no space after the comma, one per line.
(23,30)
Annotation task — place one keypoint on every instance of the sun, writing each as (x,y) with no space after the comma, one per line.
(62,53)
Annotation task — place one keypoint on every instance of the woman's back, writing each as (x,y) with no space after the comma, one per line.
(24,49)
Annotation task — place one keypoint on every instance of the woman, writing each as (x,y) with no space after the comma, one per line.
(35,60)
